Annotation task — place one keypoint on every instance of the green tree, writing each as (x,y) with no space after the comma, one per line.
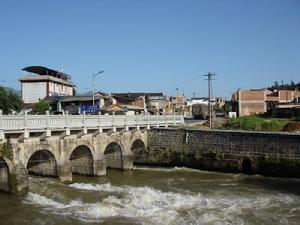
(40,107)
(9,101)
(15,102)
(227,107)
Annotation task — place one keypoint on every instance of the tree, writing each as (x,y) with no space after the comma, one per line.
(293,85)
(15,102)
(227,107)
(40,107)
(9,101)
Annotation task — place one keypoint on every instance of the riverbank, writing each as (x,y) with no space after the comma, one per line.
(266,153)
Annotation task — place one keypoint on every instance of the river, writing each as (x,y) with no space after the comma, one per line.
(156,196)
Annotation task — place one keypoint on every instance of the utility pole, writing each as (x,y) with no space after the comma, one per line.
(209,79)
(93,86)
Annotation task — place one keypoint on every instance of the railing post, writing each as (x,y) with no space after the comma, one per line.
(25,120)
(137,122)
(113,122)
(84,123)
(47,119)
(148,122)
(68,132)
(67,119)
(48,131)
(126,125)
(100,122)
(26,133)
(2,136)
(83,119)
(157,124)
(174,119)
(166,122)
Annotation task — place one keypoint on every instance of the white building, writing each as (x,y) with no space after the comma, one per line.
(200,101)
(43,82)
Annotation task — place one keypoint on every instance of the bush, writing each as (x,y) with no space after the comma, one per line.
(297,118)
(9,102)
(40,107)
(254,123)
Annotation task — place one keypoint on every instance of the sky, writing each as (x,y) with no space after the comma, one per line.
(153,45)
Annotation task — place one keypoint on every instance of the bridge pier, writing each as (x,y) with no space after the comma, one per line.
(18,180)
(99,166)
(65,172)
(127,162)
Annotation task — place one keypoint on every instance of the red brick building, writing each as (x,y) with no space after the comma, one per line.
(251,102)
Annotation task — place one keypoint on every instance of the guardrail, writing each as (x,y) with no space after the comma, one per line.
(20,122)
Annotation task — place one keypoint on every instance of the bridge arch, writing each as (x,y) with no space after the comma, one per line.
(81,160)
(247,166)
(138,148)
(42,162)
(5,170)
(114,155)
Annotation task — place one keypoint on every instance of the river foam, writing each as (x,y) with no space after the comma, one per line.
(151,206)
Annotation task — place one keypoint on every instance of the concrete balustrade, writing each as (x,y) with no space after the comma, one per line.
(9,123)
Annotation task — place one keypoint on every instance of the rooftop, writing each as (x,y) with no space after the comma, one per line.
(46,78)
(134,96)
(41,70)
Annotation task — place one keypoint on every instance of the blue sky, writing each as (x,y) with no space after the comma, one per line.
(153,45)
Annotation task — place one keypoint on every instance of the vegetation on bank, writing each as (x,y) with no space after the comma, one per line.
(40,107)
(255,123)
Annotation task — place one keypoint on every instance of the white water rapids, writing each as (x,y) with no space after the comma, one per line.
(148,205)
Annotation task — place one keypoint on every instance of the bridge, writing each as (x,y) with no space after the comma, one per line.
(60,145)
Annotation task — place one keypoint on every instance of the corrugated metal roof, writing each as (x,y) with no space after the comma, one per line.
(41,70)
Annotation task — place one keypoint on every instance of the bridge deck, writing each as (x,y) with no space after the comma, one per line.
(40,123)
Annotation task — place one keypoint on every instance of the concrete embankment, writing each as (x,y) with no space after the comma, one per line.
(270,154)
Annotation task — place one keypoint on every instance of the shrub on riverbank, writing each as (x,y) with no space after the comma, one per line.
(254,123)
(292,126)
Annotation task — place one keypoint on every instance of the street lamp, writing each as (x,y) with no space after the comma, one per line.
(93,86)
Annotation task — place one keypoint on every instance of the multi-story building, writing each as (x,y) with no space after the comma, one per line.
(177,104)
(220,101)
(151,102)
(41,82)
(252,102)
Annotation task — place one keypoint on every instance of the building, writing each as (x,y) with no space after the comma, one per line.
(152,103)
(137,99)
(41,82)
(220,101)
(251,102)
(177,104)
(129,110)
(157,103)
(76,104)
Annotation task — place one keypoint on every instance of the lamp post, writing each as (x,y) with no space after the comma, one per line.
(93,86)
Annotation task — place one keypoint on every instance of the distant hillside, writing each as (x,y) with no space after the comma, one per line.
(89,93)
(13,90)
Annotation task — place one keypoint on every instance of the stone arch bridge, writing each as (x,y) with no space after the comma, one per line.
(30,145)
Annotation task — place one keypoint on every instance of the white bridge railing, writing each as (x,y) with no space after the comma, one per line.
(20,122)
